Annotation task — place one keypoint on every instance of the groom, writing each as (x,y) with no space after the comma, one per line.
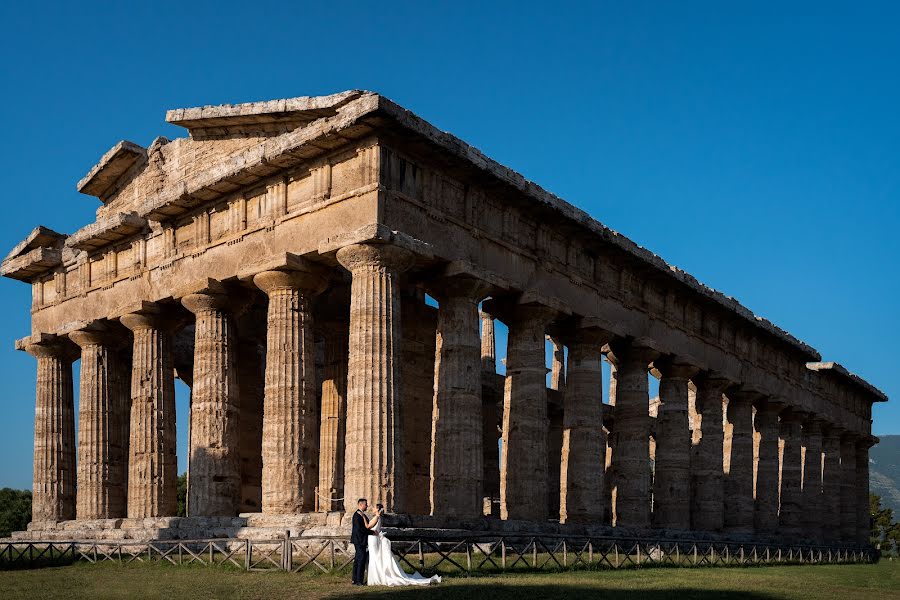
(359,539)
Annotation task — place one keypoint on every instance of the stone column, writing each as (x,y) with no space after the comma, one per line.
(790,517)
(708,475)
(523,469)
(863,514)
(631,454)
(456,428)
(765,519)
(739,482)
(290,427)
(152,465)
(672,483)
(488,344)
(813,509)
(373,459)
(332,430)
(831,485)
(215,487)
(583,451)
(53,491)
(101,426)
(848,513)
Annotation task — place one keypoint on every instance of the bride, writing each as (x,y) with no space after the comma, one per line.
(383,567)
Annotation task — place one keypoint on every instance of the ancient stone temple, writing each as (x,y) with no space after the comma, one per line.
(325,274)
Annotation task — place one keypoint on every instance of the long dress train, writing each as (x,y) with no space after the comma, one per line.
(384,568)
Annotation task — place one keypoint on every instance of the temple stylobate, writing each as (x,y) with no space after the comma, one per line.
(277,261)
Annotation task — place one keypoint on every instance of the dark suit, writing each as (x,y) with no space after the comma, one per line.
(359,538)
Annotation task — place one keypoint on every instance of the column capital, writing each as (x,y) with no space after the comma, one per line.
(813,425)
(148,315)
(458,286)
(630,349)
(389,256)
(742,394)
(510,310)
(713,379)
(740,402)
(768,405)
(42,345)
(590,337)
(675,367)
(310,279)
(98,334)
(204,301)
(590,332)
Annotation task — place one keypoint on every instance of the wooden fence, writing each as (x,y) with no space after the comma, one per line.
(446,556)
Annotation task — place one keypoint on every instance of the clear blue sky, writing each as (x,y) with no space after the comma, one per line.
(756,145)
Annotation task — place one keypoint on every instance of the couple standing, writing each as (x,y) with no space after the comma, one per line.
(372,546)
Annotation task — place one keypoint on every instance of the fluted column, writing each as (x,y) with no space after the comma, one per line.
(848,514)
(765,518)
(831,485)
(631,457)
(456,427)
(863,514)
(672,482)
(373,459)
(332,429)
(708,475)
(523,468)
(152,466)
(101,432)
(290,427)
(488,344)
(583,452)
(790,517)
(812,501)
(53,491)
(739,482)
(215,486)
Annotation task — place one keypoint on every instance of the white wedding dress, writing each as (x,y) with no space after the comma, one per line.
(384,568)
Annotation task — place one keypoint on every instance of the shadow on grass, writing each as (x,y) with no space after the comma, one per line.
(24,564)
(488,591)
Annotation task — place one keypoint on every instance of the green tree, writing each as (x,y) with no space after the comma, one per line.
(15,510)
(182,495)
(885,531)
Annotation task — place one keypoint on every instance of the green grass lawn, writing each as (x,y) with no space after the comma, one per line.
(110,580)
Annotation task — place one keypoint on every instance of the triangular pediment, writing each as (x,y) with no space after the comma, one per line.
(261,118)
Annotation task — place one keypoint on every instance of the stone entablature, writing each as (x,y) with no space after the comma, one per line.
(380,206)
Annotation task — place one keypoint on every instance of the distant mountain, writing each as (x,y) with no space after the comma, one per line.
(884,471)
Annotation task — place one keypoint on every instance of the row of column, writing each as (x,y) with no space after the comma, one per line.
(695,486)
(141,424)
(685,494)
